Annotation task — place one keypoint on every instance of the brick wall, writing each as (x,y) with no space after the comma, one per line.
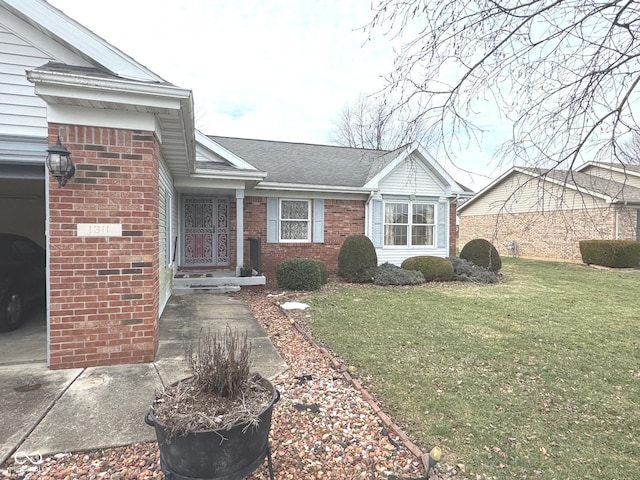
(104,290)
(341,219)
(453,230)
(549,234)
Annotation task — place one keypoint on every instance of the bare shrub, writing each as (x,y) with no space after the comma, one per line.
(220,362)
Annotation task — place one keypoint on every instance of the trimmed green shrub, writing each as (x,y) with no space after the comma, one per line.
(389,274)
(324,272)
(357,259)
(465,271)
(611,253)
(299,274)
(481,252)
(433,268)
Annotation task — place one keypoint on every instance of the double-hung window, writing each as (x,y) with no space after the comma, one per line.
(295,220)
(409,224)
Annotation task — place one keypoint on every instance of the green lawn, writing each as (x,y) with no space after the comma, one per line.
(537,377)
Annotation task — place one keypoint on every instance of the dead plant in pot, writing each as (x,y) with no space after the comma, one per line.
(215,424)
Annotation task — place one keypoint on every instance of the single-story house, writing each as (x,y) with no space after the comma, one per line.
(153,198)
(540,213)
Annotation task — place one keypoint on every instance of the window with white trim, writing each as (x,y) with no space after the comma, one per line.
(409,224)
(295,220)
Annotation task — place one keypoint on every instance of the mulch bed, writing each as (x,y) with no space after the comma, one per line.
(326,426)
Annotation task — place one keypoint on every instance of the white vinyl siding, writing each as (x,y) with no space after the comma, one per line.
(21,111)
(412,177)
(520,193)
(167,226)
(411,183)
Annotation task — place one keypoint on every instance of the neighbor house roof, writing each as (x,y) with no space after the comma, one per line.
(617,166)
(603,188)
(309,164)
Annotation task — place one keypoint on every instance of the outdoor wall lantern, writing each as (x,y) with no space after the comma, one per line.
(59,164)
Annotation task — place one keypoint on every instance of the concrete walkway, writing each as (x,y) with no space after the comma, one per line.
(54,411)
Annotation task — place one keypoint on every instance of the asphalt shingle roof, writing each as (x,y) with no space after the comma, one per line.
(309,164)
(599,185)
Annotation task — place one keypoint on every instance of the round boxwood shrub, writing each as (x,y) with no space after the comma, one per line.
(433,268)
(357,259)
(390,274)
(481,252)
(299,274)
(324,272)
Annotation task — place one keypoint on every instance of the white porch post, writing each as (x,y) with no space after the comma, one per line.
(239,230)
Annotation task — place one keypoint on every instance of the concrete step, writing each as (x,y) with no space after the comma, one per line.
(206,281)
(220,289)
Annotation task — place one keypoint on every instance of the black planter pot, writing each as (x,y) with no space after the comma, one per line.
(216,454)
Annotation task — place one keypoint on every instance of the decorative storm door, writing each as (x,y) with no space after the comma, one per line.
(206,232)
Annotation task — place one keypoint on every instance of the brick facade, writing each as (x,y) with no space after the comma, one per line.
(341,219)
(453,230)
(104,290)
(552,234)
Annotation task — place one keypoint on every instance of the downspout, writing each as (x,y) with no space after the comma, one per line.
(367,216)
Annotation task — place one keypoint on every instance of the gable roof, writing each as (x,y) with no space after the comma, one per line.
(328,167)
(616,167)
(108,80)
(53,23)
(604,189)
(309,164)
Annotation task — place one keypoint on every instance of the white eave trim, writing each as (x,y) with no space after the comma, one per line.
(219,150)
(297,187)
(229,175)
(100,89)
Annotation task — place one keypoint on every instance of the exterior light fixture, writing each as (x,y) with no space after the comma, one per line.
(59,164)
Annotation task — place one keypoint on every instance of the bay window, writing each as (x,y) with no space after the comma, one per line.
(409,224)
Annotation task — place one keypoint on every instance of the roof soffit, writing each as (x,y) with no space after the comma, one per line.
(171,106)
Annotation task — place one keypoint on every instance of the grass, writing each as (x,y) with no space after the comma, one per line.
(537,377)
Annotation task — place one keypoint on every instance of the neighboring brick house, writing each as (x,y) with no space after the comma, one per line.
(538,213)
(153,199)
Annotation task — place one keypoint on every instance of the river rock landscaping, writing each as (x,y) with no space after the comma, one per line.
(325,426)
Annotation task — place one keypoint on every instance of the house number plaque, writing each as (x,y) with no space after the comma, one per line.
(99,230)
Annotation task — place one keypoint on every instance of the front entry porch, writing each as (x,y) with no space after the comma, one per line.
(212,281)
(211,251)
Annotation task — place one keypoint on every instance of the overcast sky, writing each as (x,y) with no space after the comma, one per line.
(266,69)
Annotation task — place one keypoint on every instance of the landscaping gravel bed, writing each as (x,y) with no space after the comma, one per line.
(324,426)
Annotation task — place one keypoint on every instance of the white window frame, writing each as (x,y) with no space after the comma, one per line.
(308,220)
(409,225)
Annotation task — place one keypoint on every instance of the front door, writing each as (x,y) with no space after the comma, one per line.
(206,232)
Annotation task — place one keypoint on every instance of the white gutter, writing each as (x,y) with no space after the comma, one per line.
(63,79)
(229,175)
(310,188)
(367,218)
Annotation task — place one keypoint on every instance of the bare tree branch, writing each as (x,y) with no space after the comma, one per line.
(371,123)
(564,72)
